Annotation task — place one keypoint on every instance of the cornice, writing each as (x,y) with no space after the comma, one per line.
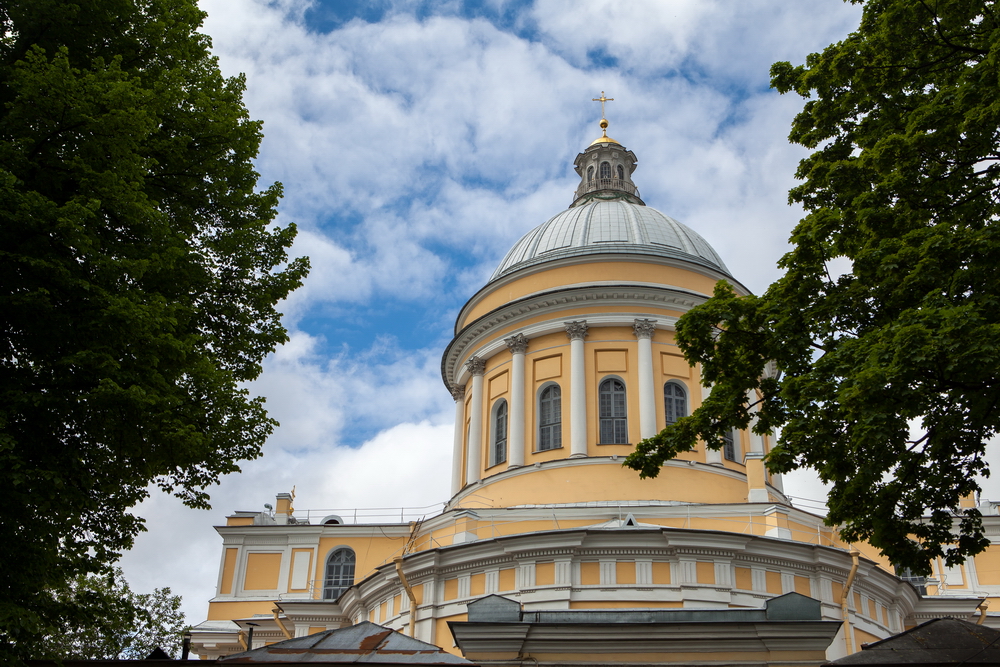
(555,263)
(469,341)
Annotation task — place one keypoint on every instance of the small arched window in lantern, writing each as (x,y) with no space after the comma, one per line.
(590,174)
(605,170)
(621,173)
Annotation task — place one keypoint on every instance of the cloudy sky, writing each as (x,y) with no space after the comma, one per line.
(417,141)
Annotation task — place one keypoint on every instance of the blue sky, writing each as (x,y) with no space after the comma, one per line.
(417,141)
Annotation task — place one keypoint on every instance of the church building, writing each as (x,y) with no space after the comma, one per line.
(549,551)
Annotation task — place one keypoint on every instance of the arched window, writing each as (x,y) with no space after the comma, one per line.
(605,170)
(729,446)
(339,573)
(550,418)
(590,174)
(614,425)
(500,432)
(621,173)
(675,402)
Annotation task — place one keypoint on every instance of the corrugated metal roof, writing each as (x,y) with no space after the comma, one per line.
(601,227)
(362,643)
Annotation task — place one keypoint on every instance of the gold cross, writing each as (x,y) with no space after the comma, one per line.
(602,99)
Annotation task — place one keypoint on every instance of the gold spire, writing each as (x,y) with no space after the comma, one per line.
(604,138)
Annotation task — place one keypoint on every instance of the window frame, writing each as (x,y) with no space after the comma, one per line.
(731,447)
(600,170)
(620,172)
(495,443)
(328,589)
(538,412)
(590,173)
(666,411)
(601,418)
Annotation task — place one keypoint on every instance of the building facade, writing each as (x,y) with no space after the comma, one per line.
(562,362)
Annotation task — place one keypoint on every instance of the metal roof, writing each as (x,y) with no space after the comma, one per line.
(365,642)
(601,227)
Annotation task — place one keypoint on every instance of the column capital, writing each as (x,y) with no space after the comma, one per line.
(576,330)
(476,365)
(458,392)
(644,328)
(517,344)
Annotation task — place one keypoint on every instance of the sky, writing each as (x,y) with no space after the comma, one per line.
(416,142)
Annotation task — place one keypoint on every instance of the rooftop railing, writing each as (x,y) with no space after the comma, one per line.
(606,184)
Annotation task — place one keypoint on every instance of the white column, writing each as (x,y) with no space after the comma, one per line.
(474,456)
(458,393)
(644,330)
(517,345)
(756,441)
(578,389)
(713,456)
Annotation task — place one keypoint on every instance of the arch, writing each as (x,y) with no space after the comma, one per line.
(605,170)
(621,172)
(590,174)
(613,412)
(332,520)
(339,575)
(498,450)
(549,417)
(729,448)
(674,401)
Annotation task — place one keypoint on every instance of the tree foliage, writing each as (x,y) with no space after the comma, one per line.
(128,626)
(139,273)
(888,381)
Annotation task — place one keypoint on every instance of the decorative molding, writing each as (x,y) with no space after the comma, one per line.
(458,392)
(476,365)
(644,328)
(517,344)
(576,330)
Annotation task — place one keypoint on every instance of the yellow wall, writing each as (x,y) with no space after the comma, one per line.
(988,566)
(228,570)
(608,481)
(590,270)
(230,610)
(370,552)
(262,572)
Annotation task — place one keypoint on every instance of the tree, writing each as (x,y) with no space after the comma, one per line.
(139,273)
(888,382)
(132,626)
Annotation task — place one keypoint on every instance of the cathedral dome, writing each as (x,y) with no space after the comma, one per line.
(609,227)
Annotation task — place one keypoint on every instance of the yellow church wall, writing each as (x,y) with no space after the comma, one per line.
(661,572)
(228,570)
(506,580)
(625,604)
(226,611)
(369,552)
(773,582)
(442,633)
(581,483)
(743,578)
(545,574)
(590,573)
(705,572)
(624,572)
(988,566)
(862,637)
(262,571)
(803,586)
(589,272)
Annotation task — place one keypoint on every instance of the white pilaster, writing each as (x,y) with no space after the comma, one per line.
(713,456)
(517,345)
(578,389)
(644,330)
(474,456)
(458,393)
